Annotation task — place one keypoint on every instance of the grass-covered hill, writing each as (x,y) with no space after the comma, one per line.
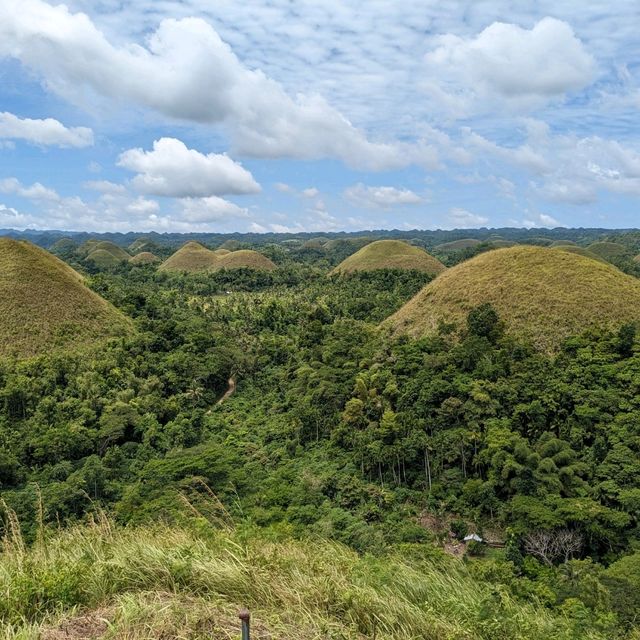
(571,248)
(609,250)
(458,245)
(390,254)
(190,258)
(46,305)
(102,581)
(563,243)
(194,258)
(144,257)
(244,259)
(541,295)
(104,259)
(116,251)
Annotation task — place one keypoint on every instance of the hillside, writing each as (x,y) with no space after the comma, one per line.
(244,259)
(458,245)
(145,257)
(117,252)
(609,250)
(579,250)
(541,295)
(161,582)
(46,305)
(389,254)
(104,259)
(190,258)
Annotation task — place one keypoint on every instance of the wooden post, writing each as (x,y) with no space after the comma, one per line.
(245,616)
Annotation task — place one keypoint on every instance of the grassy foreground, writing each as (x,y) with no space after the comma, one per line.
(100,580)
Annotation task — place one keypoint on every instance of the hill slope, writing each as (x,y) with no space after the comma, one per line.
(113,249)
(244,258)
(609,250)
(390,254)
(191,258)
(145,257)
(103,581)
(46,305)
(542,295)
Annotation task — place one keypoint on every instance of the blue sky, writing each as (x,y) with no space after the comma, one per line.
(318,115)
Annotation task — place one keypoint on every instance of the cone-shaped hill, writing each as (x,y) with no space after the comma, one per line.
(609,250)
(389,254)
(191,258)
(458,245)
(145,257)
(563,243)
(541,295)
(46,305)
(117,252)
(244,259)
(579,250)
(221,252)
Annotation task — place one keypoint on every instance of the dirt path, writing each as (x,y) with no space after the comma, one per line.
(230,390)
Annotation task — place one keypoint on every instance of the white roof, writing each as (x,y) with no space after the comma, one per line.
(473,536)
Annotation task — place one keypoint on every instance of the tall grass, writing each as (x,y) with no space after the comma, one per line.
(188,581)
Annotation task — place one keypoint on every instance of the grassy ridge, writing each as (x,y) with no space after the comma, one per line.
(458,245)
(609,250)
(193,258)
(159,581)
(390,254)
(542,295)
(46,305)
(145,257)
(244,258)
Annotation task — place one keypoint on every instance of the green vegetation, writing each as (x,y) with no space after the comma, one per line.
(390,254)
(103,259)
(542,296)
(190,582)
(46,306)
(257,440)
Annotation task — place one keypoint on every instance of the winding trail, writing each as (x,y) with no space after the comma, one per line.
(229,392)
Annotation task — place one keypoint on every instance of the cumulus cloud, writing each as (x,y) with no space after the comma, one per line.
(462,219)
(105,186)
(185,71)
(369,197)
(210,209)
(174,170)
(523,68)
(36,191)
(539,220)
(43,132)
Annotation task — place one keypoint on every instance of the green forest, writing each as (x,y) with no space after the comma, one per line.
(256,413)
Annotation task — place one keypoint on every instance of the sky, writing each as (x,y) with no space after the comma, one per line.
(318,115)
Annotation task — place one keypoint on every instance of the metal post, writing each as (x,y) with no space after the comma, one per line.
(245,616)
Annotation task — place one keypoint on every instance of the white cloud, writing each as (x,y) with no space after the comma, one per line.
(36,191)
(43,132)
(172,169)
(142,207)
(187,72)
(210,209)
(284,188)
(463,219)
(11,218)
(105,186)
(361,195)
(523,68)
(539,220)
(311,192)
